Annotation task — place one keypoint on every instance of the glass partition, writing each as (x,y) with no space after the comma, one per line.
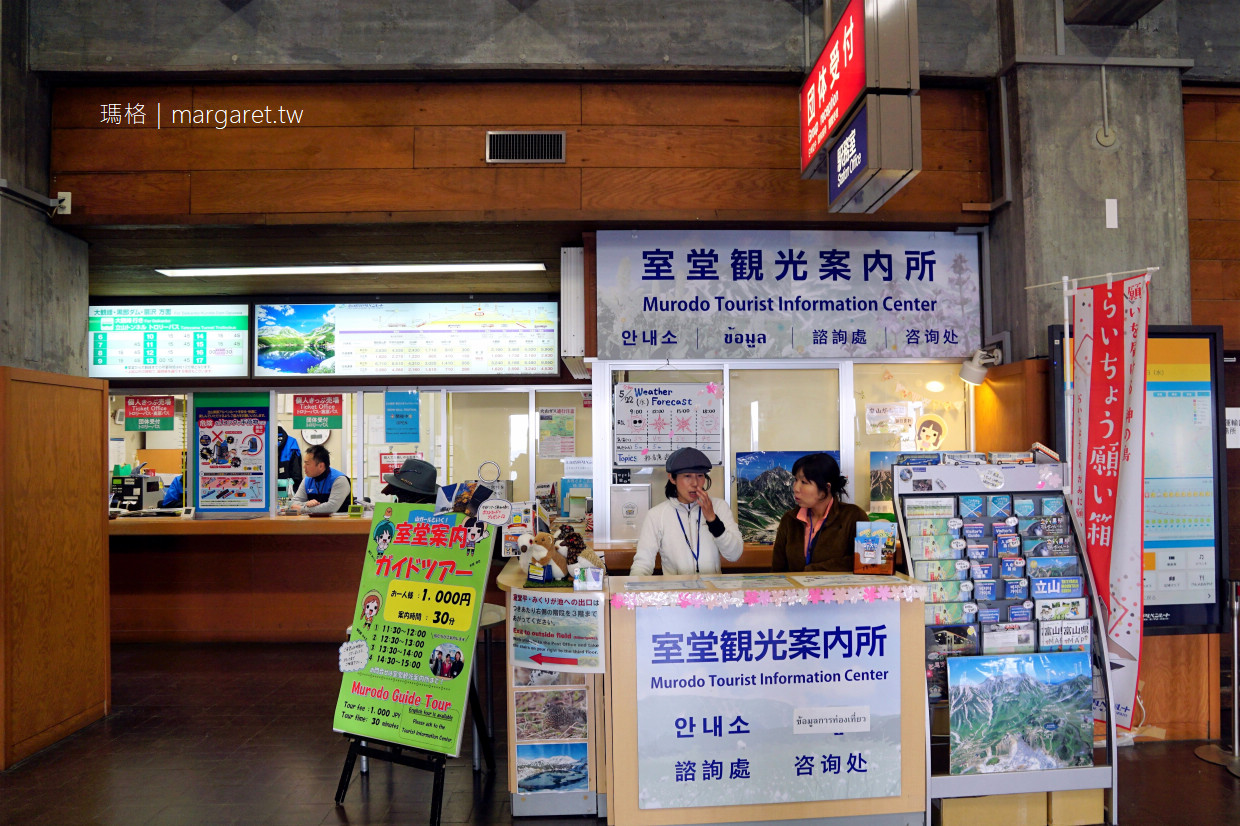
(379,454)
(904,408)
(490,426)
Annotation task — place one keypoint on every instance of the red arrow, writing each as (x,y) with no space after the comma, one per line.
(543,658)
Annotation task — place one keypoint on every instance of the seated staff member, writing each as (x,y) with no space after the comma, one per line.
(324,489)
(690,531)
(820,533)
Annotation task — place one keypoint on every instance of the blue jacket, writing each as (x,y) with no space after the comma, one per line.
(320,488)
(174,494)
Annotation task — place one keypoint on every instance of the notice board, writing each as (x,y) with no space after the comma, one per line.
(654,420)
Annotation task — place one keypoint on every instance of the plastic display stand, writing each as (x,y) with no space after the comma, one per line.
(929,481)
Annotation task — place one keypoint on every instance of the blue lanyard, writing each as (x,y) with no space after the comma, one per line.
(813,532)
(698,551)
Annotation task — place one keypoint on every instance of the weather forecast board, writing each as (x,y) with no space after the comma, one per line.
(493,338)
(170,341)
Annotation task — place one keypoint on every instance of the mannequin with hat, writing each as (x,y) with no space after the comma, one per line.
(413,484)
(690,532)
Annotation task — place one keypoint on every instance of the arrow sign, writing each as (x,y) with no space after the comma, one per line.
(543,658)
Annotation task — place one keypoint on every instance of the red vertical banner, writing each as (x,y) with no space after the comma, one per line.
(1109,324)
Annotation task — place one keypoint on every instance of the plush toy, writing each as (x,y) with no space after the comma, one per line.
(542,550)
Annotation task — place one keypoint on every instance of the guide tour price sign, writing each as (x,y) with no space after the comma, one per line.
(406,667)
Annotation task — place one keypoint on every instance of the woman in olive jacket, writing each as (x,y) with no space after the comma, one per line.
(820,533)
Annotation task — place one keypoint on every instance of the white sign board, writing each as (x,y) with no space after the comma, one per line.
(654,420)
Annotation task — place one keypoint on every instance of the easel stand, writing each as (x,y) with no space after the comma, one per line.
(415,758)
(1213,753)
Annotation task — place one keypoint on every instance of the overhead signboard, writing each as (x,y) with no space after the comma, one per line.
(878,152)
(872,48)
(170,341)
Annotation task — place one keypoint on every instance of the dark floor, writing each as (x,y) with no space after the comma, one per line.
(242,734)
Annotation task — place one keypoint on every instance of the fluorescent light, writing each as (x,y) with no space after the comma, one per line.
(935,386)
(350,269)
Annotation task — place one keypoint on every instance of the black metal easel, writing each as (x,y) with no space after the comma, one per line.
(368,747)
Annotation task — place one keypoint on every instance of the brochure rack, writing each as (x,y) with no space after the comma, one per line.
(1026,482)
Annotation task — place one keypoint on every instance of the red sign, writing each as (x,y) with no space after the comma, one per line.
(835,82)
(159,407)
(318,405)
(391,462)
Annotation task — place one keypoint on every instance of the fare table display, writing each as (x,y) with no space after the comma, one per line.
(411,648)
(758,697)
(169,341)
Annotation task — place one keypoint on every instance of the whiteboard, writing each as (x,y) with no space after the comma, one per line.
(651,421)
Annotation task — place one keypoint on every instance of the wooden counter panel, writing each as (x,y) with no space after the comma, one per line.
(260,526)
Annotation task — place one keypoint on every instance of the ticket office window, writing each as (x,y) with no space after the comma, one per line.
(775,417)
(485,427)
(338,442)
(161,444)
(379,453)
(904,408)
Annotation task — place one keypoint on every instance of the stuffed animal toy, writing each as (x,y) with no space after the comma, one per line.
(541,549)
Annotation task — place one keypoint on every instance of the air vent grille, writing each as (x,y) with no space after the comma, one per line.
(525,147)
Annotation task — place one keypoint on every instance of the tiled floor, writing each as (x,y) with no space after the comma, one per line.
(242,734)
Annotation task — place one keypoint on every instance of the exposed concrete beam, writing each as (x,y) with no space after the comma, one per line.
(1106,12)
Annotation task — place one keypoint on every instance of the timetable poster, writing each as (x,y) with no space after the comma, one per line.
(759,704)
(389,339)
(652,421)
(1180,573)
(407,664)
(169,341)
(231,431)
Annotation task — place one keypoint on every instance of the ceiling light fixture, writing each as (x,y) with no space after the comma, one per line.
(974,370)
(350,269)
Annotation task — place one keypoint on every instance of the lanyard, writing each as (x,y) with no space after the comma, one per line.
(693,551)
(813,532)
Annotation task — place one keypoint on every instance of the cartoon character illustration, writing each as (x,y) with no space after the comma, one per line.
(930,432)
(370,607)
(383,534)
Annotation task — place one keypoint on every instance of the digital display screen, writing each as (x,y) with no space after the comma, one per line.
(438,339)
(170,341)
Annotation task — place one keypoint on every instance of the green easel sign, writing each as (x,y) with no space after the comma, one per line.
(410,653)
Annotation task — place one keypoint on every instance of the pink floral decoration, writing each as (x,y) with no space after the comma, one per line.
(885,592)
(828,594)
(870,594)
(751,597)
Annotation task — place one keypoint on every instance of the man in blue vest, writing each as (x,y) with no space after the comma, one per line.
(323,490)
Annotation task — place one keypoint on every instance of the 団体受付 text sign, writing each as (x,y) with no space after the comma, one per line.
(770,704)
(787,294)
(837,79)
(318,411)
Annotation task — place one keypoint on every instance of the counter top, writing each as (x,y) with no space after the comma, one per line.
(259,525)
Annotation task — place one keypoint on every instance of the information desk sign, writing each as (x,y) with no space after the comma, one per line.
(871,48)
(318,411)
(772,704)
(149,413)
(410,652)
(877,153)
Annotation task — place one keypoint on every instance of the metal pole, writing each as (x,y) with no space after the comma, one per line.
(1213,753)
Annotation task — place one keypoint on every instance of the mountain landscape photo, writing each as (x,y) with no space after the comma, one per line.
(283,348)
(1020,712)
(763,492)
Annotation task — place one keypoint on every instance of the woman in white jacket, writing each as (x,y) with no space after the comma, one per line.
(690,531)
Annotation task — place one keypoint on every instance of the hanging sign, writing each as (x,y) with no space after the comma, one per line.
(654,420)
(144,413)
(391,462)
(410,652)
(1108,457)
(401,414)
(787,294)
(878,152)
(835,82)
(231,430)
(318,412)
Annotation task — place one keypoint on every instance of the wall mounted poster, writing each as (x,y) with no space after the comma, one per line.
(654,420)
(408,660)
(557,432)
(761,293)
(764,490)
(789,703)
(1020,712)
(230,431)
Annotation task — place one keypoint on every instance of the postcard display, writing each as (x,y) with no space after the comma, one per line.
(1010,611)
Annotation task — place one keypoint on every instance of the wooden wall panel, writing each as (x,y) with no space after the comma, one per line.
(1212,162)
(54,645)
(415,152)
(1180,686)
(1012,407)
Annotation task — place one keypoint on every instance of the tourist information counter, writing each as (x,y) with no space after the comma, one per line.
(729,699)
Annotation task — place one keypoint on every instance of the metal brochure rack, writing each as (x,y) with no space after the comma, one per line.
(1036,480)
